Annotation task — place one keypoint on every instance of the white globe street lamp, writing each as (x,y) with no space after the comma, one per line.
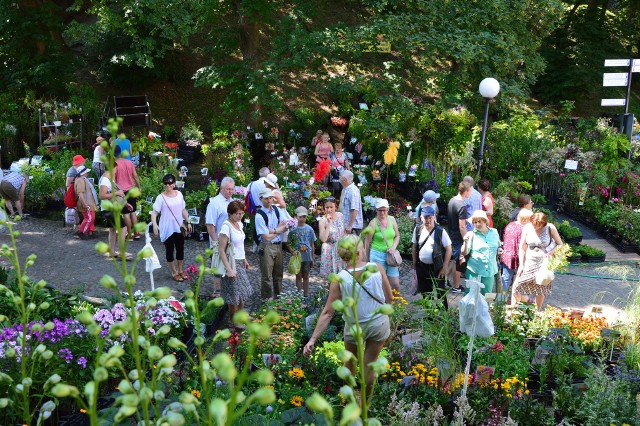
(489,89)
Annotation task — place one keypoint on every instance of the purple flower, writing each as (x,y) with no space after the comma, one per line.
(66,354)
(82,361)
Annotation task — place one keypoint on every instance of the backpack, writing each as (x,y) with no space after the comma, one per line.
(256,237)
(70,198)
(249,204)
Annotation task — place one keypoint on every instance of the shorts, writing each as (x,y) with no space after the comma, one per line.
(456,248)
(381,258)
(377,330)
(305,267)
(110,220)
(8,191)
(134,204)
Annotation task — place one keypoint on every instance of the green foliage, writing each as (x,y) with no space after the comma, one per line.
(588,251)
(511,144)
(191,131)
(44,186)
(529,412)
(195,199)
(566,230)
(134,34)
(405,227)
(33,53)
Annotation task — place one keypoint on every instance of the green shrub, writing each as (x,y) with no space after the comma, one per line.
(587,251)
(568,231)
(405,227)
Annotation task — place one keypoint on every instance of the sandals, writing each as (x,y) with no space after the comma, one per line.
(178,277)
(117,255)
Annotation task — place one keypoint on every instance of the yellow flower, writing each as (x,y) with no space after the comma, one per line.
(297,401)
(296,373)
(195,393)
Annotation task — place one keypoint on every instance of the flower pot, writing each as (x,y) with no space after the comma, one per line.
(594,259)
(573,240)
(575,259)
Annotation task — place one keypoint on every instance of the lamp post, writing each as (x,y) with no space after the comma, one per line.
(489,89)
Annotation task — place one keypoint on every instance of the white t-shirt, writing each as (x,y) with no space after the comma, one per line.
(104,181)
(366,305)
(217,212)
(169,223)
(426,252)
(97,154)
(236,238)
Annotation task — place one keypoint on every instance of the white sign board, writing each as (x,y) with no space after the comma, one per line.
(636,65)
(616,62)
(615,79)
(571,164)
(613,102)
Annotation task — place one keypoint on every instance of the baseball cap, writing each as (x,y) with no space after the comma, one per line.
(382,203)
(302,211)
(266,193)
(428,211)
(430,196)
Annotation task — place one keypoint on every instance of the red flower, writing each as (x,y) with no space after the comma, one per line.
(322,170)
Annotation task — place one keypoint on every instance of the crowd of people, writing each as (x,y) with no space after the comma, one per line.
(469,247)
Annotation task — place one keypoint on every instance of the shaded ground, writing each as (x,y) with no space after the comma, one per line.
(73,266)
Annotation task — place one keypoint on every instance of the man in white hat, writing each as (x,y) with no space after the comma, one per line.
(270,227)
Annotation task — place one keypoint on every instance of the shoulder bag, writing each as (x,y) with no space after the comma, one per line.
(393,259)
(216,260)
(183,226)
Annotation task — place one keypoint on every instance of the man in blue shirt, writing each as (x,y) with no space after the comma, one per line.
(474,202)
(270,228)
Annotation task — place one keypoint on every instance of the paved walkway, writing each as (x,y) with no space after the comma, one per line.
(72,266)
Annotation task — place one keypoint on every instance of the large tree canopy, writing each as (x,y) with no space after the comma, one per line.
(438,49)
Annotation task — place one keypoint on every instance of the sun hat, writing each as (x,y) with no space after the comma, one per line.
(78,160)
(272,180)
(479,214)
(302,211)
(428,211)
(266,193)
(82,170)
(381,203)
(430,196)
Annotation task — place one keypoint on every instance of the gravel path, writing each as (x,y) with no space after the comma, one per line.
(72,266)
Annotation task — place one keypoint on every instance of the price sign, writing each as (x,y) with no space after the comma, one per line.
(611,79)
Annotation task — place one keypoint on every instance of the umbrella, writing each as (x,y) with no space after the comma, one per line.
(152,262)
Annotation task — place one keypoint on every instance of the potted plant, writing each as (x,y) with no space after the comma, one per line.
(570,234)
(575,256)
(190,140)
(590,254)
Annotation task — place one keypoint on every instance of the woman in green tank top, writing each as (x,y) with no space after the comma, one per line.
(385,239)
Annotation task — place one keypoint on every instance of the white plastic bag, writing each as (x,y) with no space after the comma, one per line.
(474,305)
(71,216)
(544,276)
